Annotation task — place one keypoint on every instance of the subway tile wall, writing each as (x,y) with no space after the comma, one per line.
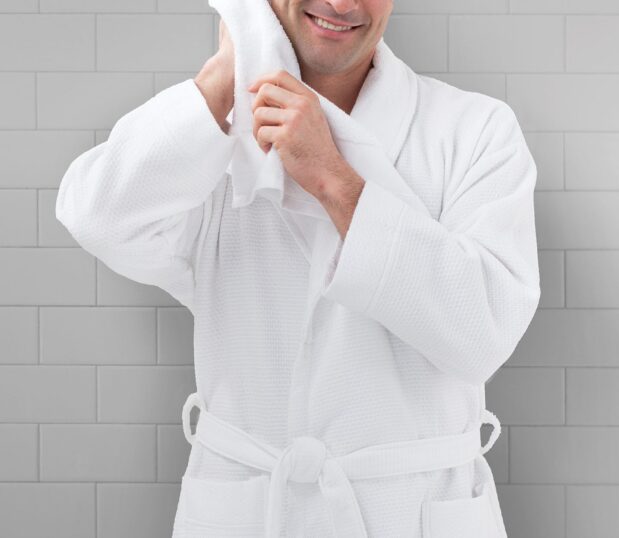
(83,350)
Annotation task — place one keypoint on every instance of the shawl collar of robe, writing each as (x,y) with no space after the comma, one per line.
(370,138)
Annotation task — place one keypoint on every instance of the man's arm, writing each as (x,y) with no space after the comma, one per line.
(461,290)
(339,194)
(139,200)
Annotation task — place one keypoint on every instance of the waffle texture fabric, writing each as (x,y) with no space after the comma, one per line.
(418,311)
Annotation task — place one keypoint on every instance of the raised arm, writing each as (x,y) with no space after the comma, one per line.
(139,200)
(461,289)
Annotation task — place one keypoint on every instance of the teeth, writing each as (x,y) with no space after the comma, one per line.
(325,24)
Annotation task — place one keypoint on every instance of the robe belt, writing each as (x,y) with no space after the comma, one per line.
(306,459)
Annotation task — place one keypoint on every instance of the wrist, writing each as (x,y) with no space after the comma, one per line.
(217,90)
(339,184)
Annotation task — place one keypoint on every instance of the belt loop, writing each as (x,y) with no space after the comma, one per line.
(487,417)
(193,400)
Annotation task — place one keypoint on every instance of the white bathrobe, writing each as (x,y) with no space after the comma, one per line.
(418,311)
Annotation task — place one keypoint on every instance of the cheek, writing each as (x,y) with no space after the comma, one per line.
(378,7)
(379,10)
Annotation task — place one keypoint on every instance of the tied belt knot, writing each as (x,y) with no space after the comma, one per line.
(302,460)
(306,460)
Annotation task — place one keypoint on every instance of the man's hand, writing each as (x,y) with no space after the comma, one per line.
(288,116)
(216,79)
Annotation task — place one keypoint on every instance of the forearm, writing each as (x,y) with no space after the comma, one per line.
(217,90)
(339,193)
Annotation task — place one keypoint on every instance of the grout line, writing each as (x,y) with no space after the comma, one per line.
(96,20)
(565,510)
(448,42)
(564,171)
(39,346)
(509,452)
(95,510)
(39,452)
(565,421)
(565,43)
(565,278)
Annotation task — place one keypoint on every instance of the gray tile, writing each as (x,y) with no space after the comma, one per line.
(17,105)
(577,220)
(185,6)
(114,289)
(564,455)
(533,511)
(450,6)
(35,276)
(172,453)
(592,43)
(552,278)
(47,510)
(546,101)
(592,511)
(150,394)
(592,161)
(419,40)
(19,453)
(175,336)
(570,337)
(136,510)
(106,335)
(98,6)
(528,396)
(593,396)
(54,152)
(52,233)
(37,393)
(564,6)
(18,217)
(37,42)
(89,100)
(153,42)
(491,84)
(18,6)
(592,278)
(506,43)
(97,452)
(19,329)
(547,151)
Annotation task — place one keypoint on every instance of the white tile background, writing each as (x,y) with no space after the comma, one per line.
(94,368)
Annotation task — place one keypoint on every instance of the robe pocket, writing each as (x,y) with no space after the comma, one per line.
(471,517)
(209,508)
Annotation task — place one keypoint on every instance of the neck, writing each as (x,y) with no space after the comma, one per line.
(341,88)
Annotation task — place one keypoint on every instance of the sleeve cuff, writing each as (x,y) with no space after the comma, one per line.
(361,260)
(189,120)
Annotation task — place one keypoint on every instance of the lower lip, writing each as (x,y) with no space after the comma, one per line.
(333,34)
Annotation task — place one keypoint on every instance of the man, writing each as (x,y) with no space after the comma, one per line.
(354,412)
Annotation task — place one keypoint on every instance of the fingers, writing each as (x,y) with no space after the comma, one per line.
(266,136)
(267,117)
(279,89)
(279,96)
(281,78)
(272,95)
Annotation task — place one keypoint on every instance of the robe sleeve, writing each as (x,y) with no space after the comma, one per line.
(139,200)
(463,288)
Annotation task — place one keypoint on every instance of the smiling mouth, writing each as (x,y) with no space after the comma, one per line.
(326,25)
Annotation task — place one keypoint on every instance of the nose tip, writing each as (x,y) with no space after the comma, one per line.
(306,456)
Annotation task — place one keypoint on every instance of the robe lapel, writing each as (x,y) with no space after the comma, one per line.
(377,125)
(387,101)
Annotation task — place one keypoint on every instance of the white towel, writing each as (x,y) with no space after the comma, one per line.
(261,47)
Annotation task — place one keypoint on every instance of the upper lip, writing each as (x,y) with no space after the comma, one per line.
(334,22)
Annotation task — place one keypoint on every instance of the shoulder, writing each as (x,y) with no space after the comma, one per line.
(471,118)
